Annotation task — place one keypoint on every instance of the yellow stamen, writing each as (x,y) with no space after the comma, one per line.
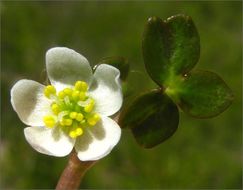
(88,108)
(81,86)
(79,131)
(68,122)
(61,94)
(72,134)
(93,119)
(49,90)
(96,117)
(82,96)
(75,95)
(49,121)
(68,91)
(72,109)
(79,117)
(82,122)
(91,122)
(73,115)
(55,108)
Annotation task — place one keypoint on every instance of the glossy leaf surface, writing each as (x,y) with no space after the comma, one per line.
(170,47)
(201,94)
(152,117)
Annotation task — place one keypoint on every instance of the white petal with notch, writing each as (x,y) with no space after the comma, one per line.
(65,66)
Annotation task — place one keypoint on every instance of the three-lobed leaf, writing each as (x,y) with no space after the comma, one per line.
(152,117)
(171,49)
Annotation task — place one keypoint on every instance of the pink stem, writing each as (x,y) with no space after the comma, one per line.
(73,173)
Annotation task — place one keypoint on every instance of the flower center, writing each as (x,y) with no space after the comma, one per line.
(72,109)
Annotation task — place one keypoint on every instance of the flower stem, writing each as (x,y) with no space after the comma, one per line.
(73,173)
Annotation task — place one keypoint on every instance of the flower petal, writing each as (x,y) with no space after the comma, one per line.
(65,66)
(49,141)
(29,102)
(98,141)
(106,90)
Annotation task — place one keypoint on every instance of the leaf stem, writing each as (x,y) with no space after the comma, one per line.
(73,173)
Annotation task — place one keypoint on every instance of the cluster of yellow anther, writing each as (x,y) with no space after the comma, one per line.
(72,109)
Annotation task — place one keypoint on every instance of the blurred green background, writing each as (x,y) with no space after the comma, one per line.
(201,154)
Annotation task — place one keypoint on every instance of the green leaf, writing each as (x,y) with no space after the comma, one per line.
(152,117)
(120,63)
(201,94)
(170,47)
(185,43)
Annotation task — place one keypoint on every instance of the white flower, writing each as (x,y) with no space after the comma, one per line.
(73,111)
